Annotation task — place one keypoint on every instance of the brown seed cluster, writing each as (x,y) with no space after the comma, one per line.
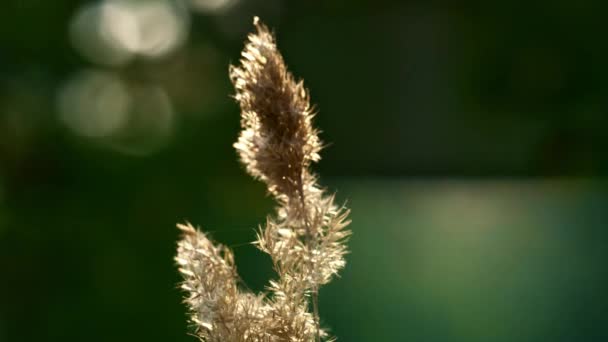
(278,142)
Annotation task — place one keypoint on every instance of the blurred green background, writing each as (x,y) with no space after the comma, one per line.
(469,140)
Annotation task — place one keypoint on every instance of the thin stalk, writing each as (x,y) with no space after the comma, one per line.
(315,308)
(311,241)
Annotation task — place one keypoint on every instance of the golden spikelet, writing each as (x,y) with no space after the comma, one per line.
(305,239)
(278,141)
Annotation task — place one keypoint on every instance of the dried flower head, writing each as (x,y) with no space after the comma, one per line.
(278,141)
(305,239)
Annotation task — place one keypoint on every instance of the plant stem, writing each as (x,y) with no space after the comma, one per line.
(315,308)
(310,242)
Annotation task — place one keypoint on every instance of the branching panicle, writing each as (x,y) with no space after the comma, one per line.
(305,239)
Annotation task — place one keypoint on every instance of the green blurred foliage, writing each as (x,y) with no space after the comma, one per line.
(507,90)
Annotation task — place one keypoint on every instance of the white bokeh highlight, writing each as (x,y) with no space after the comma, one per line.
(113,32)
(212,6)
(94,104)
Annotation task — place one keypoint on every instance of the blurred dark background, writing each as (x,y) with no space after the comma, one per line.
(469,139)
